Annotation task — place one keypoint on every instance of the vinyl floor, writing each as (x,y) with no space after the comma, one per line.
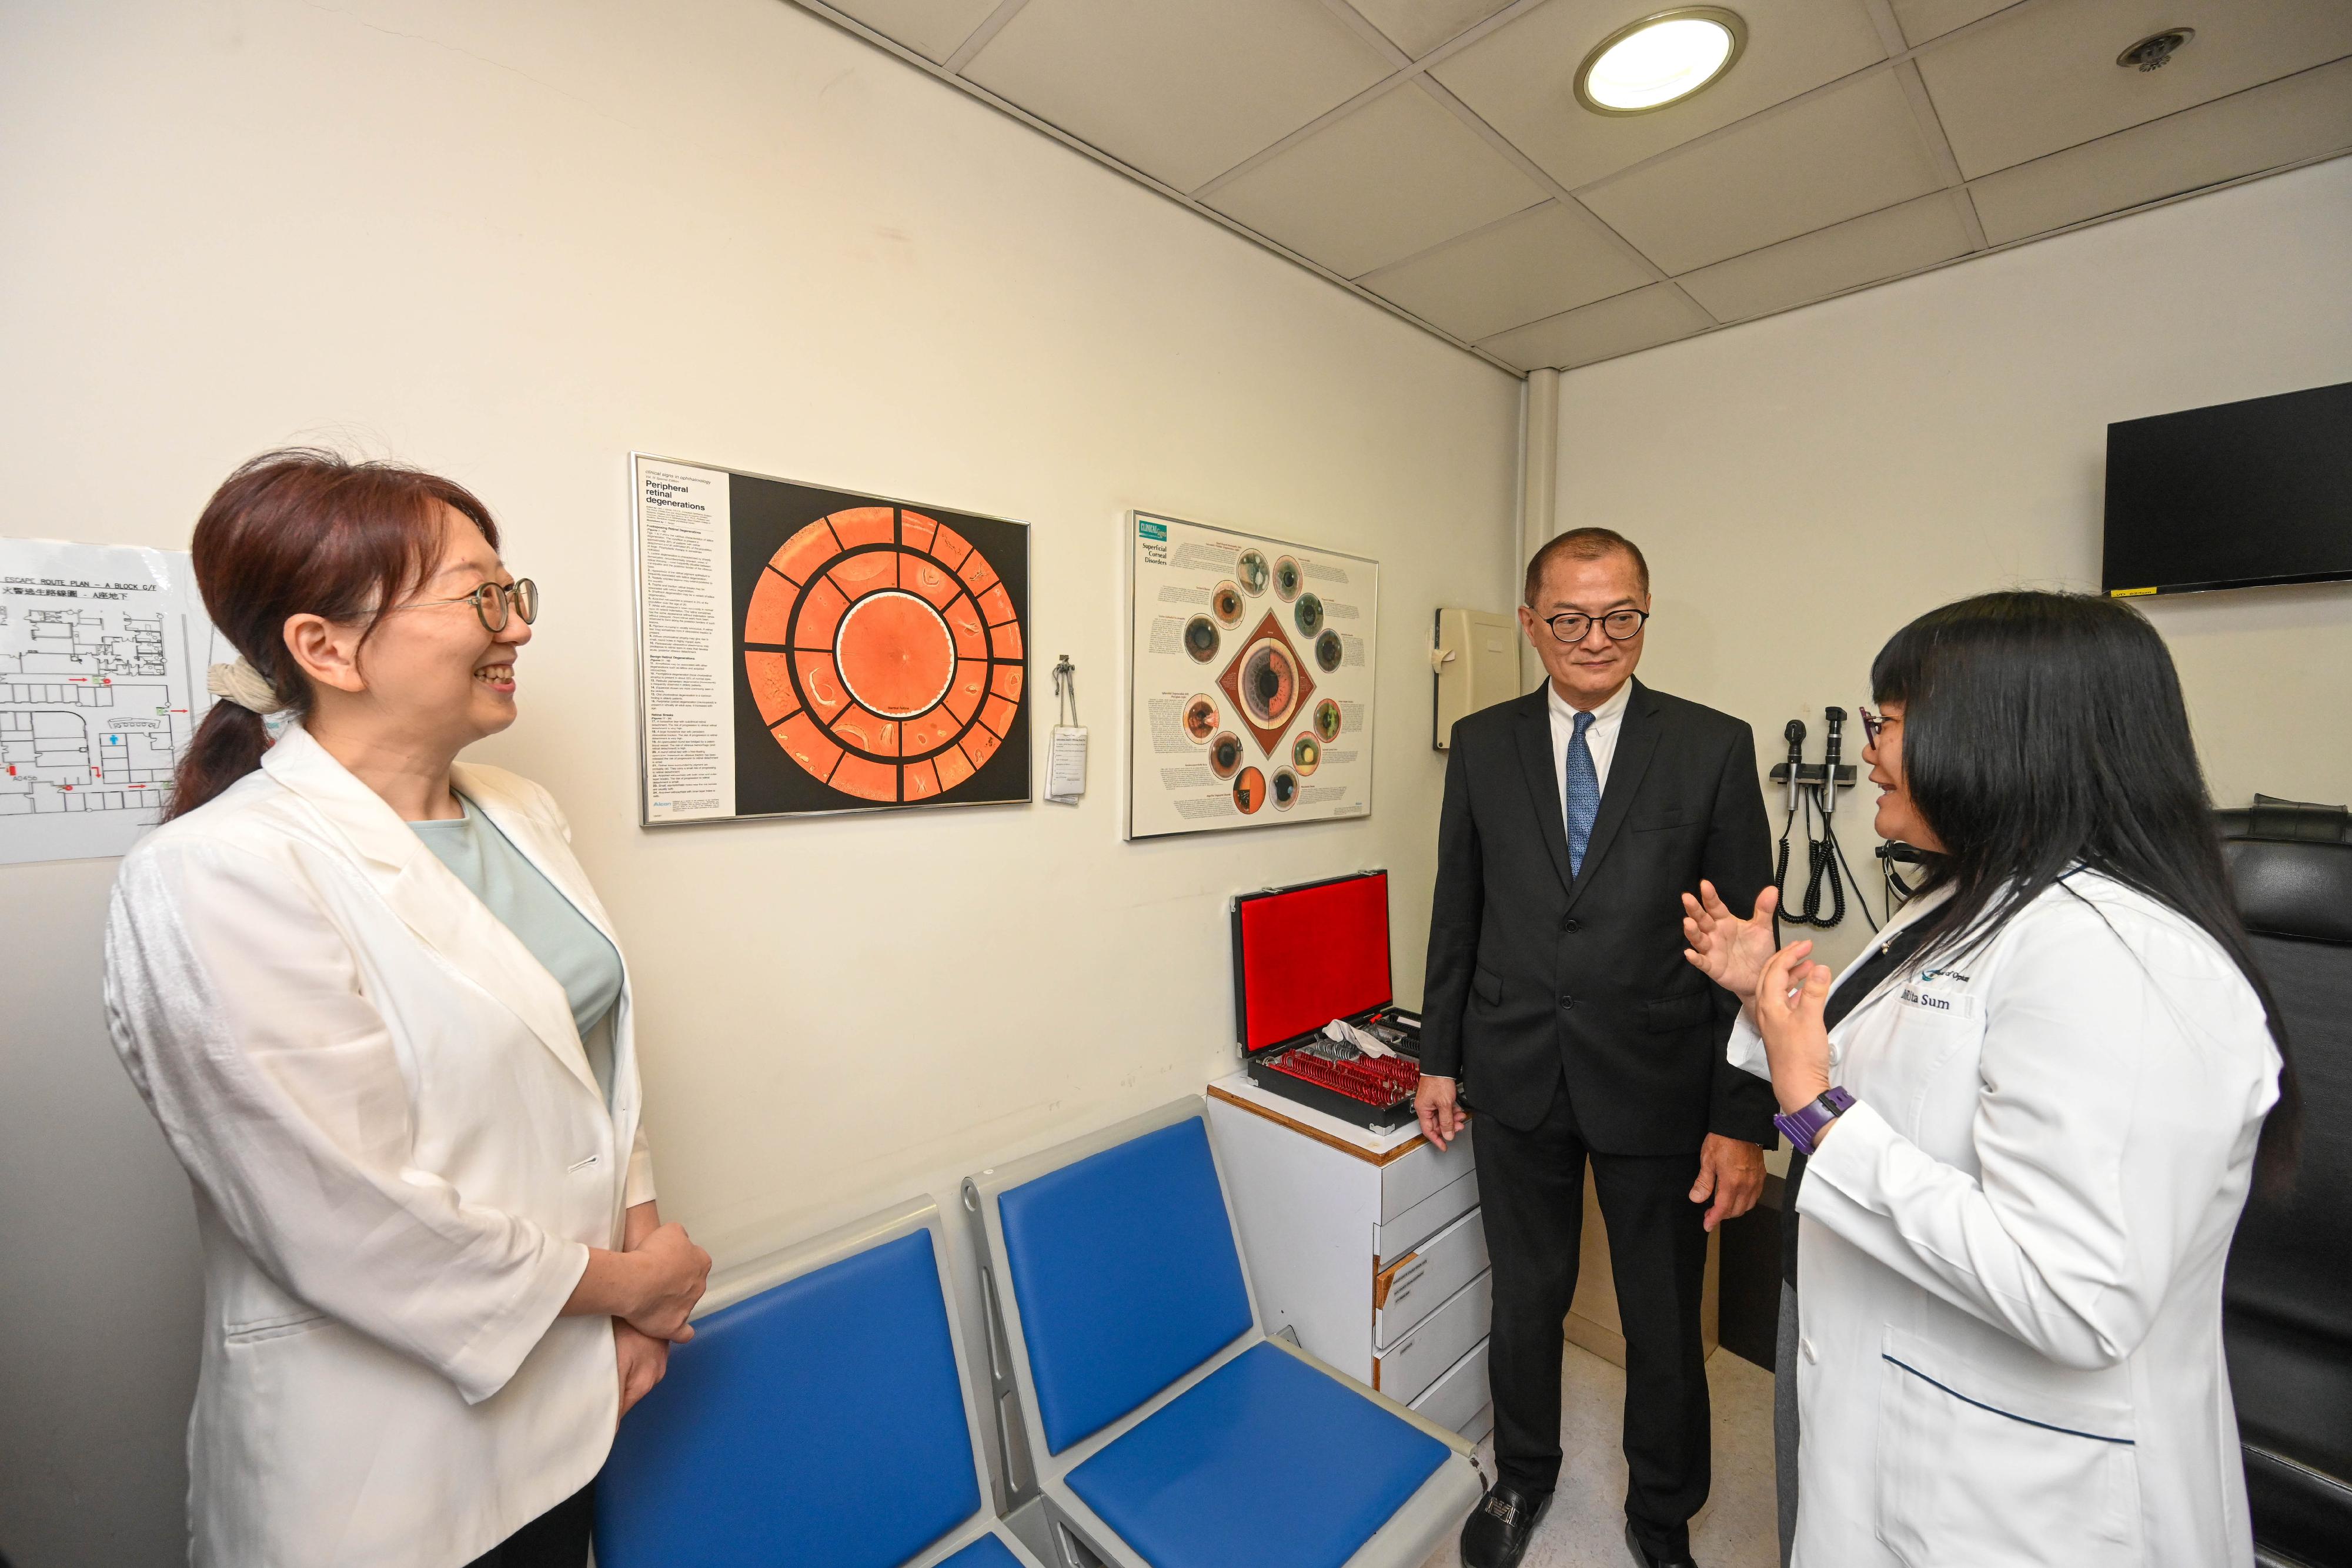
(1586,1526)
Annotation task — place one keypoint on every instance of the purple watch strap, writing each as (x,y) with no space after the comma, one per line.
(1804,1125)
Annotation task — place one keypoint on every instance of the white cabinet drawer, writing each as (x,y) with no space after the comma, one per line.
(1412,1363)
(1459,1393)
(1410,1177)
(1414,1286)
(1391,1239)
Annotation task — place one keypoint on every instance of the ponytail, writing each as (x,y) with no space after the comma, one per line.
(227,746)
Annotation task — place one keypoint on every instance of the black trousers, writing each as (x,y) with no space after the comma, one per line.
(1532,1187)
(556,1538)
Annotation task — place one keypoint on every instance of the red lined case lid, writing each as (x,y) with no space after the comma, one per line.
(1309,954)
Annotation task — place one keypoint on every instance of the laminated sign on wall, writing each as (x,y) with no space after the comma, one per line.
(1250,700)
(805,650)
(102,656)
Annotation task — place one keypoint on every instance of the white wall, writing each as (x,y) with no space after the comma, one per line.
(1806,484)
(513,241)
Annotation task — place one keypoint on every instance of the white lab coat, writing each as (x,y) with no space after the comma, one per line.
(2011,1246)
(400,1157)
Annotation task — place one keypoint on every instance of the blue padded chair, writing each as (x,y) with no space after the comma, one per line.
(820,1415)
(1169,1431)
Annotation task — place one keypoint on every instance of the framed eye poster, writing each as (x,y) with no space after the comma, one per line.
(806,650)
(1250,680)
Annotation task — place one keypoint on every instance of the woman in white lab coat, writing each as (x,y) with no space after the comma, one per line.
(2035,1122)
(382,1020)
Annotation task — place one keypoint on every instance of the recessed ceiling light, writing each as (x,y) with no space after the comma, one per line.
(1661,59)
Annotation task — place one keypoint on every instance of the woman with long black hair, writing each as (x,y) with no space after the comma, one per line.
(2033,1122)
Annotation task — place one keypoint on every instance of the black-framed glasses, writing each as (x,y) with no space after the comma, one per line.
(493,602)
(1872,723)
(1618,626)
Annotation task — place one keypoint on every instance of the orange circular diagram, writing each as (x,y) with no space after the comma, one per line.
(885,654)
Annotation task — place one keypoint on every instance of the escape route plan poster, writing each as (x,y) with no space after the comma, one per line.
(806,649)
(1250,694)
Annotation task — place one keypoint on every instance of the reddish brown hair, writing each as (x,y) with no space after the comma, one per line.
(302,531)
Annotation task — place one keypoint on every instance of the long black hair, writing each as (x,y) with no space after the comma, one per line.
(2044,731)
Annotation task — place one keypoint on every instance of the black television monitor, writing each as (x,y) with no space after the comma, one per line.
(2232,495)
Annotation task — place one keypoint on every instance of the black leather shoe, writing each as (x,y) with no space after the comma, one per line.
(1500,1527)
(1646,1558)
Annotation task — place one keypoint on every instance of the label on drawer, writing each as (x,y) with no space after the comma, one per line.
(1416,1284)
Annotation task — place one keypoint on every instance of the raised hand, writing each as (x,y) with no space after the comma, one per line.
(1729,950)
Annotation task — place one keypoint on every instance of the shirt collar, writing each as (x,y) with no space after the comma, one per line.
(1602,715)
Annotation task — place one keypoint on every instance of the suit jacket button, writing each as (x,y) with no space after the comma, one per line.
(1568,1001)
(1571,924)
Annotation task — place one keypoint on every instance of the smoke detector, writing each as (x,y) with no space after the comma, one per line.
(2156,51)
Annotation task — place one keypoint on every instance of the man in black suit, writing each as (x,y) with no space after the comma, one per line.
(1560,1006)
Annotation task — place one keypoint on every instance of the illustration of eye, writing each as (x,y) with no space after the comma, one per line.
(1201,639)
(1327,720)
(1249,791)
(1287,576)
(1328,651)
(1226,753)
(1305,754)
(1309,613)
(1286,789)
(1252,569)
(1200,717)
(1269,683)
(1225,603)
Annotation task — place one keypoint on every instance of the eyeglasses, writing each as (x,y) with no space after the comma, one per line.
(493,602)
(1621,625)
(1872,723)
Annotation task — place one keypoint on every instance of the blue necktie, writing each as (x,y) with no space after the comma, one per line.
(1583,794)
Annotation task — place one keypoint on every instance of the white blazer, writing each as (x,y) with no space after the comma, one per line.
(400,1159)
(2010,1254)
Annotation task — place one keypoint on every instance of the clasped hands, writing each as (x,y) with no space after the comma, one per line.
(1781,992)
(648,1289)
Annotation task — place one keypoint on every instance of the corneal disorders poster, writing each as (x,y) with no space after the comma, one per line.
(1250,692)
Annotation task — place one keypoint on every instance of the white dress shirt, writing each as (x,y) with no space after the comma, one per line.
(1600,739)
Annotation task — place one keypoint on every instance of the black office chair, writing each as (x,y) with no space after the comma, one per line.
(2286,1313)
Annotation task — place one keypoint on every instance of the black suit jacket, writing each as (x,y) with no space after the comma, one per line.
(1533,974)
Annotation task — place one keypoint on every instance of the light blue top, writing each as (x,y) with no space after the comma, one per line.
(567,942)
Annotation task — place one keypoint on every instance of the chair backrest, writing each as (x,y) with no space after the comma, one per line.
(822,1420)
(2288,1258)
(2286,1321)
(1125,1276)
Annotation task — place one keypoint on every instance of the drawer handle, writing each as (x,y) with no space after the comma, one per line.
(1400,1272)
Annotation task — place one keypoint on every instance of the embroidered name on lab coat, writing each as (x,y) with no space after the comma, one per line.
(1941,1003)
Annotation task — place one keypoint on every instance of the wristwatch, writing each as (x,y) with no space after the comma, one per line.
(1804,1125)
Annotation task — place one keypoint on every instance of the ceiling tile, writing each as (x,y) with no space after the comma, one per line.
(1641,320)
(1521,79)
(1924,19)
(932,28)
(1183,92)
(1535,264)
(1417,27)
(1397,176)
(2044,76)
(1830,261)
(1851,149)
(2305,116)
